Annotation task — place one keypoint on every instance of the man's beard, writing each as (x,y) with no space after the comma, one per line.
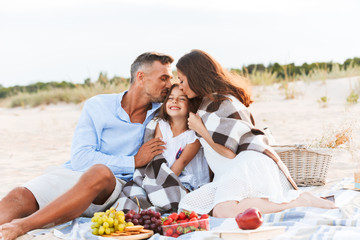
(159,99)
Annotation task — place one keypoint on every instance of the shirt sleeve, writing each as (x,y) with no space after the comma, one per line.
(85,149)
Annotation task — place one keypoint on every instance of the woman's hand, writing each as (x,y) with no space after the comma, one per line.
(196,124)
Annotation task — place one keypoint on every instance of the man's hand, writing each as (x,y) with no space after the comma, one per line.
(148,151)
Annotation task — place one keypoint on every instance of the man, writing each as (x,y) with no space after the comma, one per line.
(106,149)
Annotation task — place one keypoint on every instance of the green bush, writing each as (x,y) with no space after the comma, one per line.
(353,97)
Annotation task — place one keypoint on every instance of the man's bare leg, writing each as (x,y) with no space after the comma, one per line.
(230,209)
(19,203)
(96,185)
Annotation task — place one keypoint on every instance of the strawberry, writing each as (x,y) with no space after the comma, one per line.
(204,216)
(179,230)
(175,235)
(174,216)
(203,225)
(192,228)
(169,232)
(182,216)
(193,215)
(168,221)
(187,230)
(193,222)
(184,221)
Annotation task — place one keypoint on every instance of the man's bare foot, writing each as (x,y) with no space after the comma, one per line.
(308,200)
(12,230)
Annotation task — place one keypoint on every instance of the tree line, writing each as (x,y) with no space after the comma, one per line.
(281,71)
(292,70)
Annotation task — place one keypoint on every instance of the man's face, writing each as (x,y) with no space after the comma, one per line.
(157,81)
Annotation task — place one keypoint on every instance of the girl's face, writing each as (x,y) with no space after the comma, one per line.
(184,85)
(177,104)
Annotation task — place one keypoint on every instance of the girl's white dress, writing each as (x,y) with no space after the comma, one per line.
(196,173)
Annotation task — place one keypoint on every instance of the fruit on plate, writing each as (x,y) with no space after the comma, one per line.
(150,219)
(251,218)
(109,222)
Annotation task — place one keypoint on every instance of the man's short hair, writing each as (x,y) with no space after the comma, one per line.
(148,58)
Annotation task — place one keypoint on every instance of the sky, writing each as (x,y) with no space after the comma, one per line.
(71,40)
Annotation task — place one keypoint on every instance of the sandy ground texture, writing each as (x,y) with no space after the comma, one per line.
(33,139)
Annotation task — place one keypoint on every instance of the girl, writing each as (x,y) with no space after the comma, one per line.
(183,153)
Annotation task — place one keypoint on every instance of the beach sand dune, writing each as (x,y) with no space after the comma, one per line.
(33,139)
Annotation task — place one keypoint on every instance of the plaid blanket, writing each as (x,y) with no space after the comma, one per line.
(155,185)
(302,223)
(231,124)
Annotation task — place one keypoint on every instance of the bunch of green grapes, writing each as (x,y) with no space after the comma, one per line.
(109,222)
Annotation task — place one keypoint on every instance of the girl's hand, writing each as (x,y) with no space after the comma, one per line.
(196,124)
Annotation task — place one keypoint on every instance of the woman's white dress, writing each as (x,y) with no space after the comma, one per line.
(250,174)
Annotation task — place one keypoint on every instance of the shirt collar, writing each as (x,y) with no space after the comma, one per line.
(125,117)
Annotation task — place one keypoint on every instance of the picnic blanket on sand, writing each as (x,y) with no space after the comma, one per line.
(231,124)
(300,223)
(155,185)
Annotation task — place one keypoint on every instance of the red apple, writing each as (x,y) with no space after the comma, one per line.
(250,219)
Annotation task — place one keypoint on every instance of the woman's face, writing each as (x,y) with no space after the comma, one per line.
(184,85)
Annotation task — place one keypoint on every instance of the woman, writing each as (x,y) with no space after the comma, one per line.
(247,171)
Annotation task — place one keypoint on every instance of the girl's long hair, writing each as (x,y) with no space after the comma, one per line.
(206,77)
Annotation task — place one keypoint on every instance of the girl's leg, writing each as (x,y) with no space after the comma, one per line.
(96,185)
(230,209)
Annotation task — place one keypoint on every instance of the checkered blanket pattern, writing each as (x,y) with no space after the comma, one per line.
(155,185)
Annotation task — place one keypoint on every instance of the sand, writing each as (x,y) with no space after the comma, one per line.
(36,138)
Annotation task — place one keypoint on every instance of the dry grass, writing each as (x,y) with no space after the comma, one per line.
(56,95)
(346,136)
(264,78)
(336,72)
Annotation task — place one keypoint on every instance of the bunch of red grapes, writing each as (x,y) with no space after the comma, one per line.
(148,218)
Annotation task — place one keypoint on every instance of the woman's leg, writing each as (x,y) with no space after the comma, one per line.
(230,209)
(95,186)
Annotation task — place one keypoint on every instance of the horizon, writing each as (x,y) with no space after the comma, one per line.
(128,77)
(75,40)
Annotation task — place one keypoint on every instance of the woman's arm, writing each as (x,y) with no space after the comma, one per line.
(195,123)
(186,156)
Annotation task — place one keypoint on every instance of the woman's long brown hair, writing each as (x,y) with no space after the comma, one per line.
(206,76)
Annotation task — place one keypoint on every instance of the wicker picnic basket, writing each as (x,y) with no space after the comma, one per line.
(307,166)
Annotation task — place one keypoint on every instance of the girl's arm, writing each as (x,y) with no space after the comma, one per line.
(195,123)
(157,132)
(186,156)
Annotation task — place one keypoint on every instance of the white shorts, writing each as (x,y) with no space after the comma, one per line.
(58,180)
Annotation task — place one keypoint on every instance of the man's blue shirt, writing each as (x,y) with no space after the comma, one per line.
(105,135)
